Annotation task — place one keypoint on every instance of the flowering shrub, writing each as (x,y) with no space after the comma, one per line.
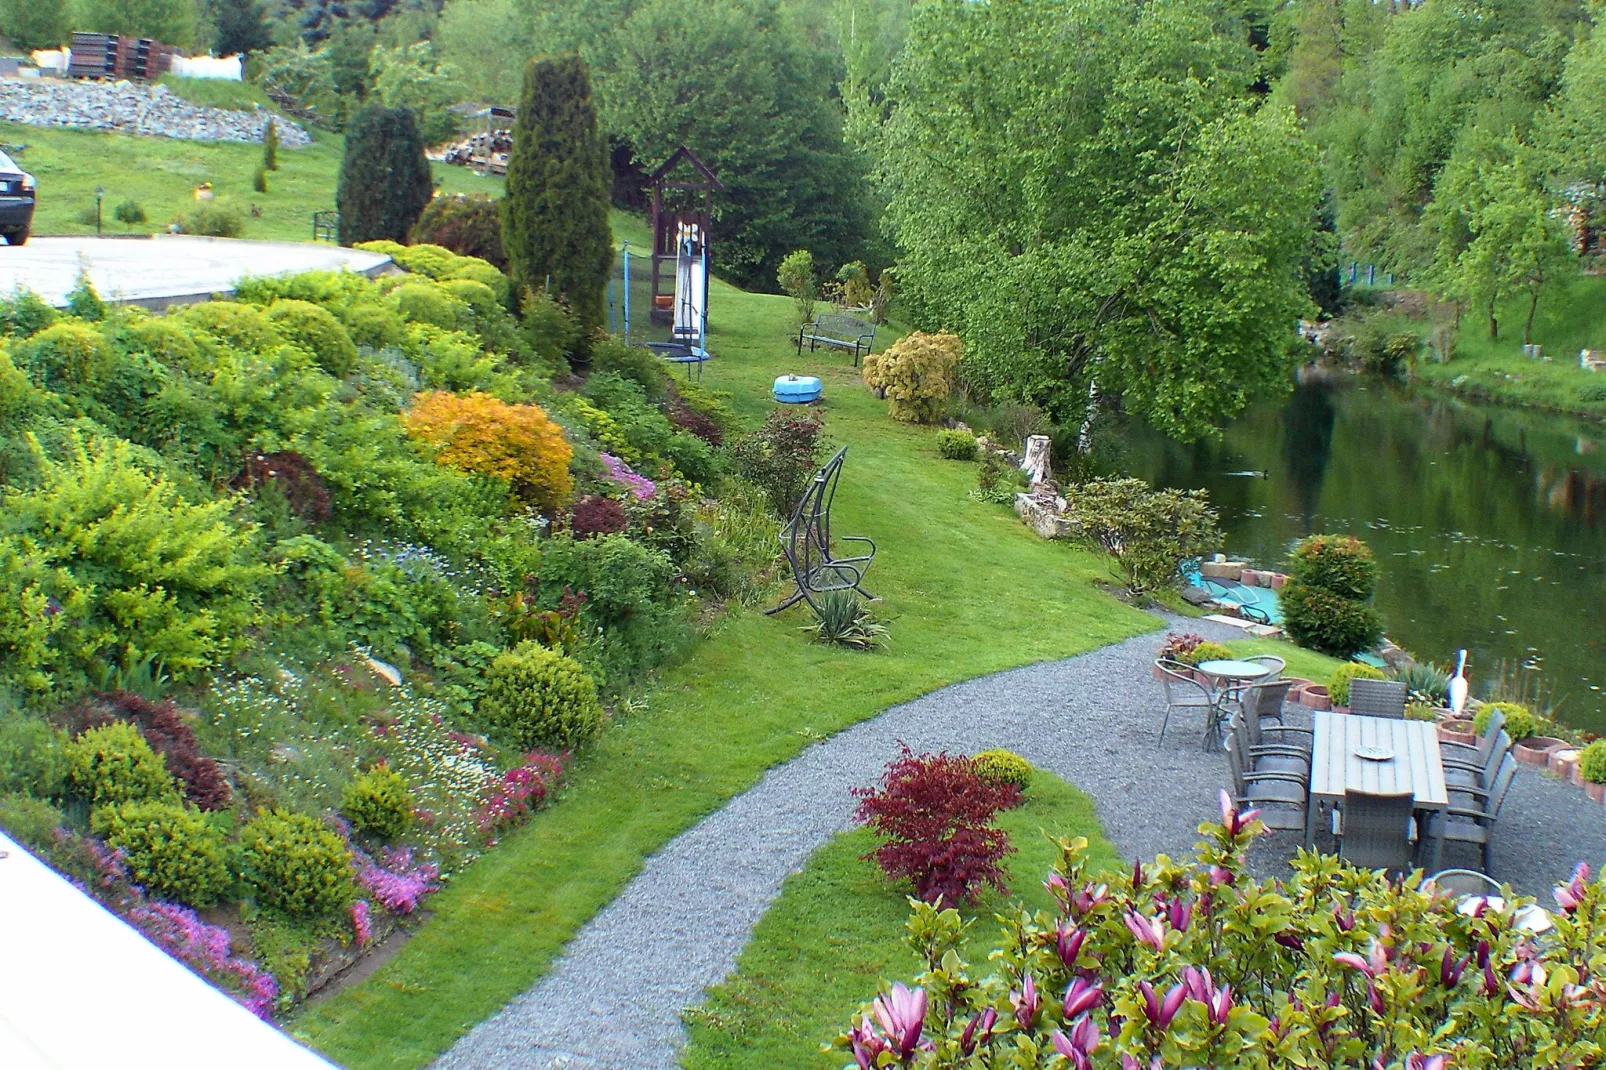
(933,814)
(520,791)
(379,803)
(362,927)
(915,374)
(1174,647)
(395,881)
(206,950)
(1326,601)
(482,434)
(1342,564)
(296,864)
(1199,965)
(113,764)
(620,472)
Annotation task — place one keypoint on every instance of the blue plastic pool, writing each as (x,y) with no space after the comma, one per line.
(797,389)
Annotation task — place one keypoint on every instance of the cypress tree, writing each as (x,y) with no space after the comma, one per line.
(555,219)
(384,179)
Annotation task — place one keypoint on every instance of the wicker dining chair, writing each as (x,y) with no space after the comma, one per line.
(1284,748)
(1476,756)
(1283,798)
(1377,698)
(1183,692)
(1464,775)
(1375,831)
(1475,824)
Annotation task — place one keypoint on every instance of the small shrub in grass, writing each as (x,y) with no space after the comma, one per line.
(379,803)
(1520,723)
(996,479)
(1338,683)
(171,850)
(1147,533)
(1328,623)
(1204,651)
(535,697)
(915,374)
(296,864)
(213,220)
(129,213)
(956,445)
(933,814)
(844,619)
(113,764)
(1003,767)
(799,282)
(1592,762)
(781,457)
(259,180)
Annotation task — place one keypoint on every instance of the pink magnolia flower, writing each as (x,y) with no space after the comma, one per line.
(983,1023)
(1081,1044)
(1570,895)
(1150,931)
(1159,1011)
(1231,819)
(1068,941)
(1081,996)
(902,1014)
(1026,1002)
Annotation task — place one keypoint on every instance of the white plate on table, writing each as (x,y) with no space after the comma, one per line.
(1374,754)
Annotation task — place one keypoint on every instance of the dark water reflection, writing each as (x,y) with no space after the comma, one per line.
(1488,522)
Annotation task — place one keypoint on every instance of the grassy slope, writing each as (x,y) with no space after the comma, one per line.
(1304,664)
(1572,316)
(969,589)
(161,175)
(837,931)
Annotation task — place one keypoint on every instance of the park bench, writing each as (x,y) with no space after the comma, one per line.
(838,331)
(806,543)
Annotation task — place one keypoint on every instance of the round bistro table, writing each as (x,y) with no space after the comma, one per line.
(1231,675)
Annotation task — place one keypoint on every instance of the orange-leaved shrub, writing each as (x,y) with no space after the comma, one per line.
(485,435)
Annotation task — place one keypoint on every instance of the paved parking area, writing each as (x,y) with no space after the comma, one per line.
(165,269)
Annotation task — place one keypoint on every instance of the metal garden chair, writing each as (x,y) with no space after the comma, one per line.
(1377,698)
(1283,798)
(1375,831)
(1475,824)
(1183,692)
(1462,883)
(807,543)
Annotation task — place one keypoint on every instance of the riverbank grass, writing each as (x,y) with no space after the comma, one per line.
(968,591)
(838,929)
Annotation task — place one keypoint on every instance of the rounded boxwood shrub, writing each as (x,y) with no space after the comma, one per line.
(1001,766)
(956,445)
(424,302)
(68,354)
(1328,623)
(1341,564)
(1521,722)
(113,764)
(33,757)
(379,803)
(318,332)
(171,850)
(244,327)
(1338,683)
(535,697)
(1592,762)
(296,864)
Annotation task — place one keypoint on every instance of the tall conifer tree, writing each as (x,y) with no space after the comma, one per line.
(384,178)
(555,220)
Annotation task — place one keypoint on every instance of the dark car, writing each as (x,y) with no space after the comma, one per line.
(16,201)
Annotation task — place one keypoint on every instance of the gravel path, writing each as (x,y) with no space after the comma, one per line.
(614,1000)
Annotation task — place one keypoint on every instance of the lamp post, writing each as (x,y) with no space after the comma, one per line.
(100,192)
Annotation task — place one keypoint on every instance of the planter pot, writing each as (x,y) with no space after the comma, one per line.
(1597,792)
(1578,776)
(1460,731)
(1563,761)
(1443,715)
(1535,750)
(1277,581)
(1296,688)
(1341,709)
(1154,670)
(1316,697)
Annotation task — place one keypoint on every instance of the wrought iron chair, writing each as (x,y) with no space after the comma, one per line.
(1475,824)
(1375,831)
(806,542)
(1283,798)
(1183,692)
(1465,882)
(1377,698)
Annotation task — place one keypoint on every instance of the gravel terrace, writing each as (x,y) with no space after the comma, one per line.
(614,999)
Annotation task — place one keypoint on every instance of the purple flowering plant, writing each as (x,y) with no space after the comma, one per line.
(619,472)
(1197,964)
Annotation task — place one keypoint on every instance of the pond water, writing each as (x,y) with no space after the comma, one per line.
(1489,523)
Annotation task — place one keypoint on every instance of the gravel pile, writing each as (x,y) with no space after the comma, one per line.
(149,111)
(614,999)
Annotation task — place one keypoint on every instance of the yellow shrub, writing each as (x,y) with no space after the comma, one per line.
(487,436)
(915,375)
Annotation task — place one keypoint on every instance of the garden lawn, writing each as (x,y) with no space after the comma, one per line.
(838,930)
(1572,316)
(968,590)
(160,174)
(1304,664)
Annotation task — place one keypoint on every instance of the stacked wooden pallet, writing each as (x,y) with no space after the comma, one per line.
(103,55)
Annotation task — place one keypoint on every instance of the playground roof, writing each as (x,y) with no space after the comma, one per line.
(688,156)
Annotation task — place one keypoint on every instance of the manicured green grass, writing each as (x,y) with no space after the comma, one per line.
(838,930)
(161,174)
(1572,316)
(217,93)
(968,589)
(1305,664)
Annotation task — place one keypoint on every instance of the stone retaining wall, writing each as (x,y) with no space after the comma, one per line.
(150,111)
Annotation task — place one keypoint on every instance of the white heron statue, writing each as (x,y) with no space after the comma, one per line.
(1457,689)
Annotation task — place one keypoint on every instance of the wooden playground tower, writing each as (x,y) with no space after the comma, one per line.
(689,209)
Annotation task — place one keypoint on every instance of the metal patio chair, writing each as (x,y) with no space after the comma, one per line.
(1375,831)
(1183,692)
(1462,883)
(1377,698)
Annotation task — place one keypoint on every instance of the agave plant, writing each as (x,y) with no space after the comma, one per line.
(844,619)
(1427,684)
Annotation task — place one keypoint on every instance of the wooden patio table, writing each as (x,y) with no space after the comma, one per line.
(1415,768)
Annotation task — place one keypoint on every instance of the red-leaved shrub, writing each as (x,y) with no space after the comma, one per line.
(933,813)
(683,416)
(303,489)
(169,735)
(596,515)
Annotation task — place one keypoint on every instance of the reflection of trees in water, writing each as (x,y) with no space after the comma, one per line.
(1308,420)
